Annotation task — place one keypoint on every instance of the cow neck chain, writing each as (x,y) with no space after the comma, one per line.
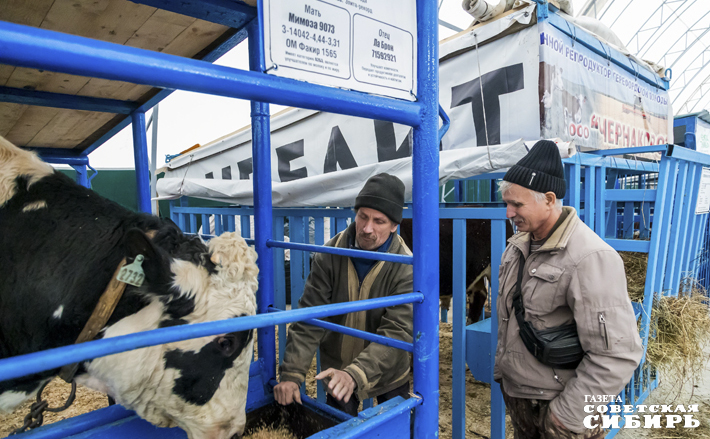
(100,316)
(35,417)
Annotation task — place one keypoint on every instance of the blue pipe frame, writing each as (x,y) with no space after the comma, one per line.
(140,157)
(28,364)
(263,233)
(25,46)
(30,47)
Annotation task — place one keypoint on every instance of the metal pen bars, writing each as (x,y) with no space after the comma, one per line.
(31,47)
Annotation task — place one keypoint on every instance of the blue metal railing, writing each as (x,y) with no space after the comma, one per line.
(22,365)
(30,47)
(26,46)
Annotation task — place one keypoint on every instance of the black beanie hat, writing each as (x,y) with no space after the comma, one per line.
(385,193)
(540,170)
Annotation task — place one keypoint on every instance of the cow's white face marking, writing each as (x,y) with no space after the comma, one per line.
(35,205)
(15,162)
(58,312)
(140,380)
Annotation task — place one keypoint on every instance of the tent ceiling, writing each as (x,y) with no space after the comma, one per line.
(672,33)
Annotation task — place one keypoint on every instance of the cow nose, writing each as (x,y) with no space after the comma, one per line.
(237,436)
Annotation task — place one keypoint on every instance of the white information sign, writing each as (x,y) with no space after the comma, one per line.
(702,137)
(364,45)
(703,204)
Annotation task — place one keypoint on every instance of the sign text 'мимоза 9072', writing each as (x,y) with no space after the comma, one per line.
(365,45)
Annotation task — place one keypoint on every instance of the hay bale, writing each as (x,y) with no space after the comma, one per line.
(635,267)
(680,331)
(270,433)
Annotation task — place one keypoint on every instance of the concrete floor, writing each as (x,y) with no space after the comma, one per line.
(668,393)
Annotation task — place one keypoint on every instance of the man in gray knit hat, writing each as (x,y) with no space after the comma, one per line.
(566,329)
(354,369)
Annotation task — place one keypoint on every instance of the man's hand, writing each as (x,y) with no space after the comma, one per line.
(340,384)
(287,392)
(556,421)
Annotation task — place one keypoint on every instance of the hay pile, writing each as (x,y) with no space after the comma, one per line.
(680,326)
(680,332)
(270,433)
(635,267)
(56,394)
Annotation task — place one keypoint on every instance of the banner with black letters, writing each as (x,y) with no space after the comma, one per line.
(492,86)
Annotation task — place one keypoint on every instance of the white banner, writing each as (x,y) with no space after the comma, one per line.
(491,88)
(369,46)
(339,189)
(595,103)
(307,143)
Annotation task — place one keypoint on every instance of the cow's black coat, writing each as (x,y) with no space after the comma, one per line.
(66,253)
(201,372)
(478,253)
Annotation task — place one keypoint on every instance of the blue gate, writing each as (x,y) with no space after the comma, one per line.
(42,49)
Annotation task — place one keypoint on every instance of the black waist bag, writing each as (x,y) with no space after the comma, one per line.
(555,347)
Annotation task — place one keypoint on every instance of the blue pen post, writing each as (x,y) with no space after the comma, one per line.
(425,191)
(140,157)
(261,153)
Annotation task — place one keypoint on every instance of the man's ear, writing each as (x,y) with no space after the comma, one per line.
(550,198)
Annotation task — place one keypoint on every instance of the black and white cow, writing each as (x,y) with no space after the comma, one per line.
(60,244)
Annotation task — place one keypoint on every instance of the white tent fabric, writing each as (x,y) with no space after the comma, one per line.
(339,189)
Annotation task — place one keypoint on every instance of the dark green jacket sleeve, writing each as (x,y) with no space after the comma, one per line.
(378,362)
(303,340)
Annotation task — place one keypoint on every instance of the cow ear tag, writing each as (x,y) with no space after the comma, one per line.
(132,273)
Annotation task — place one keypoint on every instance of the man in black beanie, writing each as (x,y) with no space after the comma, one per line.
(566,328)
(354,369)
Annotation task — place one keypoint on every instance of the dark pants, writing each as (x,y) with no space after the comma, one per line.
(352,405)
(531,420)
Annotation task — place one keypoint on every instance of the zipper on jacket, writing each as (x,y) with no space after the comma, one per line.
(602,321)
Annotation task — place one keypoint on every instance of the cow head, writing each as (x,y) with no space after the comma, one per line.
(199,385)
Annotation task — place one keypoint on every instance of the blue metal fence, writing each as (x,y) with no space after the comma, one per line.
(38,48)
(620,199)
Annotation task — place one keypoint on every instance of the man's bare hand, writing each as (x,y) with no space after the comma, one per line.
(287,392)
(557,422)
(339,383)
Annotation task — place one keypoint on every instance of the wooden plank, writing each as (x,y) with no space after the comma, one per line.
(31,121)
(194,38)
(9,114)
(159,30)
(117,21)
(24,12)
(107,20)
(69,127)
(44,80)
(85,128)
(5,73)
(103,88)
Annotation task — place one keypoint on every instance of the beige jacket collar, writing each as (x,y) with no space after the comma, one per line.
(557,241)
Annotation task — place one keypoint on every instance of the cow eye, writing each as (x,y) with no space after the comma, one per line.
(227,344)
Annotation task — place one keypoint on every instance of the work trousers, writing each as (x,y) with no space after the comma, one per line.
(531,420)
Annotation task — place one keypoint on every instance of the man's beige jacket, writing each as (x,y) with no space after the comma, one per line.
(573,276)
